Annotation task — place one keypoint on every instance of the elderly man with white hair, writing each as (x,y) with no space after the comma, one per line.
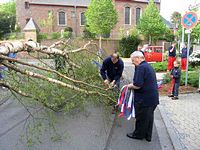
(145,97)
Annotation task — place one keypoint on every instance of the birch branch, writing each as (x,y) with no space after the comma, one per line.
(51,80)
(50,70)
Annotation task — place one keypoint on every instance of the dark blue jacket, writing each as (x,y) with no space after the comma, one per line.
(173,53)
(145,78)
(184,53)
(110,70)
(176,72)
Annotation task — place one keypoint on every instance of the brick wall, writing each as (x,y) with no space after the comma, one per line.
(40,12)
(108,45)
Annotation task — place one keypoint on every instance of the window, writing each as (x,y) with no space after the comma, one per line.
(83,20)
(26,4)
(127,15)
(138,13)
(61,18)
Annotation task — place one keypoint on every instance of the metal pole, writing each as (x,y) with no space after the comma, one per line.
(182,39)
(199,82)
(188,49)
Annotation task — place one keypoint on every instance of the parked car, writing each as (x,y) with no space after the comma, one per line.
(154,54)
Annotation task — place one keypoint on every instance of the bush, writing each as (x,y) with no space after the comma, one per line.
(42,36)
(67,35)
(68,29)
(55,35)
(128,45)
(194,58)
(193,78)
(160,66)
(88,35)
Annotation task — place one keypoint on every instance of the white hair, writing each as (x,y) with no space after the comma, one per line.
(137,54)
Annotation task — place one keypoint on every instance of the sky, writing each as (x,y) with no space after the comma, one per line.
(167,6)
(4,1)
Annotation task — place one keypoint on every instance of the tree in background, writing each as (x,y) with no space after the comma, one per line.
(176,20)
(151,24)
(7,18)
(48,22)
(101,17)
(195,34)
(128,44)
(167,36)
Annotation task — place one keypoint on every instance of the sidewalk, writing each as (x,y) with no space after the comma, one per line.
(182,120)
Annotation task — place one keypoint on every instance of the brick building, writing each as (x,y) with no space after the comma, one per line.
(54,15)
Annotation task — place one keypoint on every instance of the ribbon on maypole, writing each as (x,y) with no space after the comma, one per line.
(126,103)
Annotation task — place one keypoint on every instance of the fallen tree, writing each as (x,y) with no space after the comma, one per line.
(56,85)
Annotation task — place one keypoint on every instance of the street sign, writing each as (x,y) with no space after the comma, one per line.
(189,20)
(188,31)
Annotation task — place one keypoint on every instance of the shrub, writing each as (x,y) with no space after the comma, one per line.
(160,66)
(69,29)
(128,45)
(55,35)
(194,58)
(67,34)
(193,78)
(42,36)
(88,35)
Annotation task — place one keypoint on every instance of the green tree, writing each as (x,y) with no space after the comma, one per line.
(176,20)
(167,36)
(151,24)
(48,22)
(195,34)
(9,8)
(7,18)
(101,17)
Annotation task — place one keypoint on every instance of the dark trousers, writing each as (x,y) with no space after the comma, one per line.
(175,89)
(144,121)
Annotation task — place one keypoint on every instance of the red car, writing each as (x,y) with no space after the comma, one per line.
(154,54)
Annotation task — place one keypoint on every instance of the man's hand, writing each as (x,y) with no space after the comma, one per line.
(171,76)
(172,49)
(130,86)
(106,82)
(112,83)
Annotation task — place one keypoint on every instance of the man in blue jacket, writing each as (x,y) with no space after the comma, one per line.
(184,58)
(111,70)
(145,97)
(172,56)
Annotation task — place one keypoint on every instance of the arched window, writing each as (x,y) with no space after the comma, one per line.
(61,18)
(127,15)
(82,19)
(138,14)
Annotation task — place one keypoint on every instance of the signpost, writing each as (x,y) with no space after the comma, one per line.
(189,20)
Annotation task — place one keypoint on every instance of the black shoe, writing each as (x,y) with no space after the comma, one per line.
(148,139)
(171,95)
(174,98)
(132,136)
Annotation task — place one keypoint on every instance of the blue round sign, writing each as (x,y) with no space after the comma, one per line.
(189,20)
